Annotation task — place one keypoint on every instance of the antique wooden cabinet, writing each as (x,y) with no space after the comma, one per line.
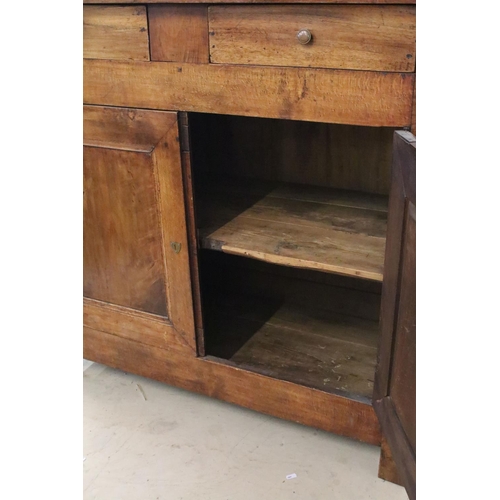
(249,207)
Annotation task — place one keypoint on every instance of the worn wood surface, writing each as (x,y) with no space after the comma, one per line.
(189,197)
(387,469)
(111,32)
(348,97)
(403,371)
(394,396)
(179,33)
(251,1)
(321,154)
(402,453)
(299,343)
(167,160)
(141,327)
(134,212)
(281,399)
(124,128)
(375,38)
(292,228)
(413,128)
(403,188)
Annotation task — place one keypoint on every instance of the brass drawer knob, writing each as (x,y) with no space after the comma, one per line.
(304,37)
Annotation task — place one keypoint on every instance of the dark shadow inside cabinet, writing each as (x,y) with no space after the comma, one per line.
(291,222)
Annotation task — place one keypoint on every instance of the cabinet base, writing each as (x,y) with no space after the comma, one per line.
(179,367)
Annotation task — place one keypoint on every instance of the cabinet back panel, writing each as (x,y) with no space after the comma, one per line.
(230,274)
(320,154)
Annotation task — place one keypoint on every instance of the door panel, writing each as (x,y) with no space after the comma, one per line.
(135,238)
(394,397)
(403,376)
(123,258)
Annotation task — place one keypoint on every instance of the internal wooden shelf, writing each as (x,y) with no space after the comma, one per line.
(307,227)
(298,343)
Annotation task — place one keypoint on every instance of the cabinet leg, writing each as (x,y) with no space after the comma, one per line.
(387,468)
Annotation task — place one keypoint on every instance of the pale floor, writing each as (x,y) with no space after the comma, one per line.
(144,440)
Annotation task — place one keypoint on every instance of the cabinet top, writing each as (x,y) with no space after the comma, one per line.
(251,1)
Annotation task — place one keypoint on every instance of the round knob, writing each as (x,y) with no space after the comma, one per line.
(304,37)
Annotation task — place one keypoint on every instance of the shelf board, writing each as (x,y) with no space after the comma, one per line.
(306,227)
(298,343)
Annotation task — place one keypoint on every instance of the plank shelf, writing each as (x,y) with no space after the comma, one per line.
(296,342)
(308,227)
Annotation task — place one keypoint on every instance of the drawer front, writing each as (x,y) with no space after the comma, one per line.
(361,37)
(115,33)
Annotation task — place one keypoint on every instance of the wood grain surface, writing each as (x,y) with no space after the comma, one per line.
(300,343)
(387,469)
(179,33)
(124,128)
(375,38)
(291,228)
(135,325)
(279,398)
(348,97)
(115,33)
(250,1)
(135,238)
(395,379)
(320,154)
(123,257)
(190,202)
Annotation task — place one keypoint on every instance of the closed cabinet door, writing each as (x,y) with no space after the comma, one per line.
(394,397)
(135,241)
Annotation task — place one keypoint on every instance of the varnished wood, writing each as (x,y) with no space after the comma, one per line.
(185,144)
(111,32)
(401,450)
(279,398)
(413,128)
(252,1)
(179,33)
(387,469)
(403,370)
(124,128)
(403,189)
(141,327)
(394,397)
(375,38)
(133,213)
(123,261)
(320,154)
(293,93)
(299,230)
(163,345)
(167,160)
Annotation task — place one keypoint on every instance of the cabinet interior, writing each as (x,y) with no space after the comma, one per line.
(291,223)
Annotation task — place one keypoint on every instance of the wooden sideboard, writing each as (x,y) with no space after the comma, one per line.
(249,207)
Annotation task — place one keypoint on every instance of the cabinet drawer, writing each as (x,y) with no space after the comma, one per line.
(361,37)
(111,32)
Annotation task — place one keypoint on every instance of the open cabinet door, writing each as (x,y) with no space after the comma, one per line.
(394,396)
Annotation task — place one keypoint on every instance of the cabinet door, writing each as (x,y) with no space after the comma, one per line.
(135,240)
(394,397)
